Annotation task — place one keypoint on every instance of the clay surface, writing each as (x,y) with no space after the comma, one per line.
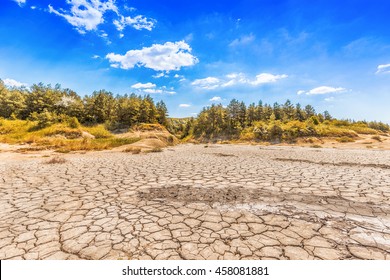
(197,202)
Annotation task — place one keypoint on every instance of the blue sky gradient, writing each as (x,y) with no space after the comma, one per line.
(334,55)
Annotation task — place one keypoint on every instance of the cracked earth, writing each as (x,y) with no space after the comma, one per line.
(197,202)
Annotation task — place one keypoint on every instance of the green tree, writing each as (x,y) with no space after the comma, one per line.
(162,113)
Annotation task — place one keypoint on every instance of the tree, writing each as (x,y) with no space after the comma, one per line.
(42,98)
(162,113)
(299,113)
(12,102)
(289,111)
(251,114)
(100,107)
(327,116)
(309,110)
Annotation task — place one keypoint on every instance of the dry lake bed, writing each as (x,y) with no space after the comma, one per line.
(197,202)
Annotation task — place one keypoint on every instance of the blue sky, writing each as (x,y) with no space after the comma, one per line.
(334,55)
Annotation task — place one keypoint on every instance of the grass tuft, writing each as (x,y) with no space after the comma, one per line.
(56,160)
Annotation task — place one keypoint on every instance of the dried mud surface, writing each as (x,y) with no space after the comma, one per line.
(197,202)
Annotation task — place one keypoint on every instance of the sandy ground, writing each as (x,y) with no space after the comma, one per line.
(197,202)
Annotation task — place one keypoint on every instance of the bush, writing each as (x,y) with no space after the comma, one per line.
(345,139)
(276,133)
(377,138)
(73,122)
(56,160)
(44,119)
(99,131)
(132,150)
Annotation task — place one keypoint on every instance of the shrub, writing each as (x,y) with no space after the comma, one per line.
(99,131)
(345,139)
(170,140)
(132,150)
(276,133)
(56,160)
(73,122)
(316,146)
(377,138)
(44,119)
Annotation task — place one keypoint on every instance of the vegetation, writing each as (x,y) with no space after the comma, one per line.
(59,118)
(48,105)
(56,160)
(276,123)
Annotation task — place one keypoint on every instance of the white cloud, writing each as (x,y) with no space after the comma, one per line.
(242,41)
(143,86)
(160,75)
(138,22)
(235,79)
(20,2)
(151,88)
(33,7)
(166,57)
(13,83)
(216,98)
(322,90)
(207,83)
(265,78)
(85,15)
(329,99)
(95,56)
(383,69)
(184,105)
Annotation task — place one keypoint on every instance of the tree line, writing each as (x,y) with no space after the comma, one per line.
(47,104)
(50,104)
(265,120)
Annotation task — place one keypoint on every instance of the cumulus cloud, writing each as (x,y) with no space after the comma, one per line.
(383,69)
(138,22)
(236,79)
(151,88)
(265,78)
(321,90)
(215,99)
(20,2)
(13,83)
(166,57)
(184,105)
(207,83)
(85,15)
(143,86)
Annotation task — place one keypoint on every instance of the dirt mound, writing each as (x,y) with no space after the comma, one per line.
(151,135)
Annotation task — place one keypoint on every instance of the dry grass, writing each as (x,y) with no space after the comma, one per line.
(59,136)
(56,160)
(132,150)
(155,150)
(316,146)
(345,139)
(377,138)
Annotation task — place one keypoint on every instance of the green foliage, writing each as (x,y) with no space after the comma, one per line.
(73,122)
(44,118)
(99,131)
(47,105)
